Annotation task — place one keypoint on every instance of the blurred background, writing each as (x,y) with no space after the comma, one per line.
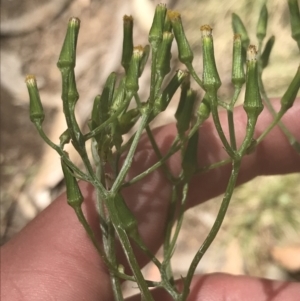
(260,235)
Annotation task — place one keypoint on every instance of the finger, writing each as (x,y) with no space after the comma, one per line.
(273,156)
(52,258)
(222,287)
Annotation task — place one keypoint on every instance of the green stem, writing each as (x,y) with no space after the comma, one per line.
(194,75)
(271,126)
(292,140)
(167,237)
(133,263)
(62,154)
(128,161)
(214,230)
(237,91)
(173,149)
(214,111)
(182,208)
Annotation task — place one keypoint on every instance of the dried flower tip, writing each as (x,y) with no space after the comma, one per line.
(237,36)
(30,80)
(128,19)
(138,51)
(206,30)
(251,53)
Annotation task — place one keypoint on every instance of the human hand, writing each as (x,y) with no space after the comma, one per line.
(53,259)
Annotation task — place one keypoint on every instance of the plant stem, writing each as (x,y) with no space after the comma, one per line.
(214,230)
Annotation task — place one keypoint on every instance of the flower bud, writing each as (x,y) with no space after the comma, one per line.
(290,95)
(128,120)
(264,58)
(253,104)
(67,58)
(239,27)
(125,216)
(36,108)
(132,77)
(163,101)
(295,20)
(74,195)
(262,23)
(65,138)
(190,157)
(211,79)
(185,53)
(156,31)
(185,111)
(103,103)
(203,109)
(127,41)
(119,96)
(144,59)
(238,74)
(164,58)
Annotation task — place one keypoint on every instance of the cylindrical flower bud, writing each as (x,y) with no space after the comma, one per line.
(67,58)
(171,88)
(261,28)
(184,116)
(185,86)
(36,108)
(211,79)
(102,103)
(157,28)
(168,25)
(132,83)
(239,27)
(95,116)
(185,53)
(119,96)
(164,99)
(74,195)
(190,157)
(238,74)
(203,109)
(164,58)
(290,95)
(267,51)
(295,20)
(127,41)
(128,120)
(126,217)
(253,104)
(144,59)
(65,137)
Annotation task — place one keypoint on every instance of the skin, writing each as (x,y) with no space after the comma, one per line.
(53,259)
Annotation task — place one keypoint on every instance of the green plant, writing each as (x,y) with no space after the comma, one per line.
(111,118)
